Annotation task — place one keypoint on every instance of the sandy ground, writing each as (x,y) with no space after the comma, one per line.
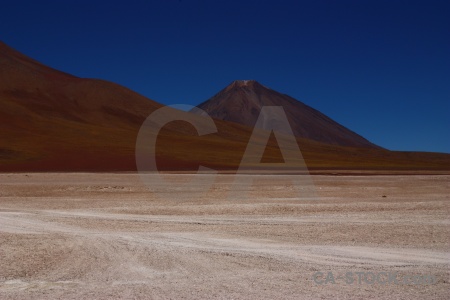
(105,236)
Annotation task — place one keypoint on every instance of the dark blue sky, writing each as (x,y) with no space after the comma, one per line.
(381,68)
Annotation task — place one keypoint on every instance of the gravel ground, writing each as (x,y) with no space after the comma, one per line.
(106,236)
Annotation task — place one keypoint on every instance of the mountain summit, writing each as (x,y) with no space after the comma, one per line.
(242,100)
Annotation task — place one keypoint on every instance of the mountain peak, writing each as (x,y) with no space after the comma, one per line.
(244,84)
(242,100)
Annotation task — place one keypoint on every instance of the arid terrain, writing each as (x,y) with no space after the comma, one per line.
(106,236)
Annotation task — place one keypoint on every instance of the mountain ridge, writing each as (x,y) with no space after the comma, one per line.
(53,121)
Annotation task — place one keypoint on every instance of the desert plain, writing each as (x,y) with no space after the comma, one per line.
(107,236)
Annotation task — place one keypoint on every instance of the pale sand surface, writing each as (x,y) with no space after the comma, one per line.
(105,236)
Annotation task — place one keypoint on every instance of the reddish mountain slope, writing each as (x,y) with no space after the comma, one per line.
(242,100)
(53,121)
